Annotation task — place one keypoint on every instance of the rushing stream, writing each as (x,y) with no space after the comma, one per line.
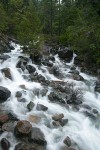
(83,130)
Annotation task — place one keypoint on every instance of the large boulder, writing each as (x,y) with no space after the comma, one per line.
(4,94)
(66,54)
(37,136)
(7,73)
(23,128)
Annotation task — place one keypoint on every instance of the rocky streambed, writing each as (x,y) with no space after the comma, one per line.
(47,103)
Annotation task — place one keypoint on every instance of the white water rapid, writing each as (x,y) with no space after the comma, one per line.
(83,130)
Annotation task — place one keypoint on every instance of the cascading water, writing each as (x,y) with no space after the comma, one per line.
(83,130)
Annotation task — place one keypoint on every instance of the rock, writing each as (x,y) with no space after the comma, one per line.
(95,111)
(97,87)
(74,101)
(67,148)
(4,57)
(56,71)
(30,69)
(4,94)
(30,106)
(77,77)
(52,58)
(9,126)
(23,128)
(73,68)
(18,94)
(23,100)
(37,136)
(29,146)
(44,91)
(34,119)
(56,97)
(3,119)
(5,144)
(47,63)
(21,64)
(41,78)
(66,54)
(22,86)
(56,123)
(41,107)
(36,58)
(67,141)
(86,106)
(63,122)
(57,117)
(22,146)
(74,72)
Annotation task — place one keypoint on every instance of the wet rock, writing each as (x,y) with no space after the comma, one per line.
(36,58)
(18,94)
(97,87)
(67,148)
(52,58)
(56,71)
(63,122)
(44,91)
(21,64)
(67,141)
(23,86)
(95,111)
(57,117)
(73,68)
(9,126)
(90,115)
(56,123)
(74,101)
(30,106)
(37,136)
(74,72)
(22,146)
(41,78)
(29,146)
(7,73)
(34,119)
(41,107)
(3,119)
(47,63)
(5,144)
(4,57)
(23,128)
(4,94)
(66,54)
(86,106)
(77,77)
(30,69)
(56,97)
(23,100)
(13,116)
